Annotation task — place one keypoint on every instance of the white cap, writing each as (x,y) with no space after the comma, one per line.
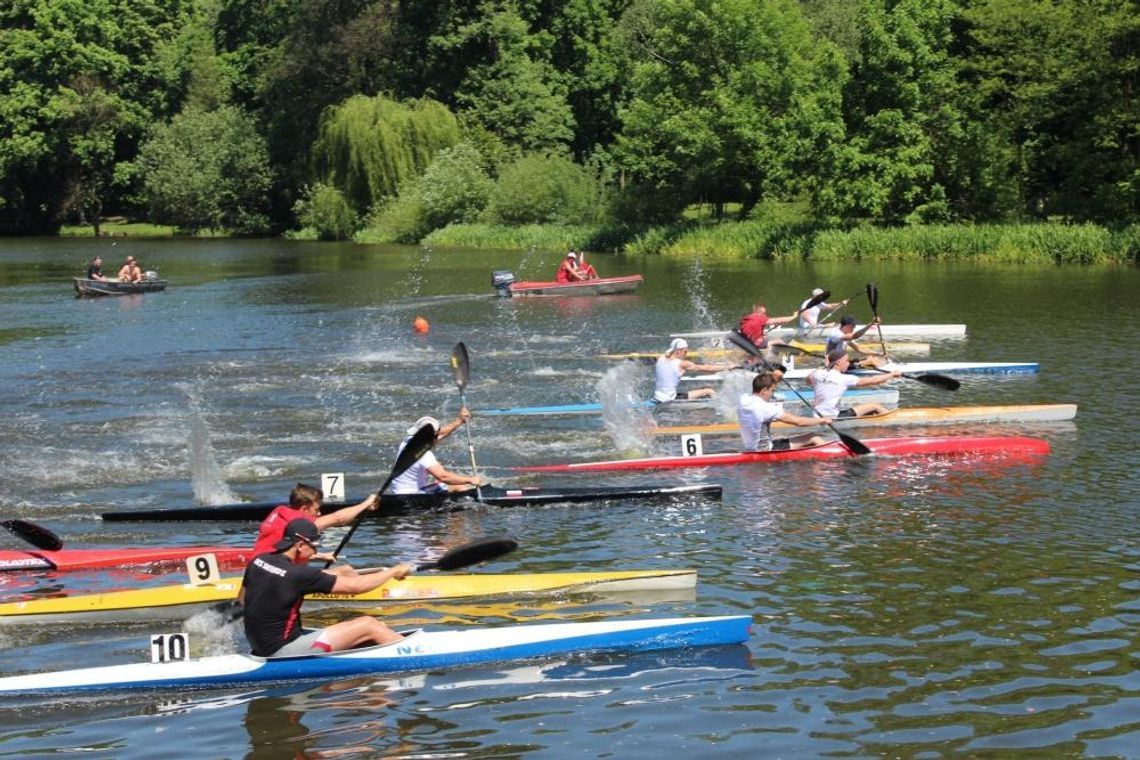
(817,292)
(677,345)
(571,255)
(421,422)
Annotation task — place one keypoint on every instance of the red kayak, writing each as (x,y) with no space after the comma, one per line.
(92,559)
(888,447)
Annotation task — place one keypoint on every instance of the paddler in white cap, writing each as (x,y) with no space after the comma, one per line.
(568,270)
(672,365)
(809,317)
(427,475)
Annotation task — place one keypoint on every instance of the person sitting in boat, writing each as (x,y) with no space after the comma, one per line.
(757,411)
(754,325)
(427,475)
(568,270)
(809,317)
(844,337)
(305,504)
(275,585)
(130,271)
(831,381)
(95,269)
(672,365)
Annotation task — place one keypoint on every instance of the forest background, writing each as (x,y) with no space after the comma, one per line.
(990,129)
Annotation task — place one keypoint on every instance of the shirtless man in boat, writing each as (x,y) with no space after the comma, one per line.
(305,503)
(275,585)
(130,271)
(757,411)
(95,269)
(427,475)
(831,381)
(568,270)
(672,365)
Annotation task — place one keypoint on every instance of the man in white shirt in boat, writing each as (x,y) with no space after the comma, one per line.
(830,382)
(672,365)
(843,338)
(757,412)
(427,475)
(809,317)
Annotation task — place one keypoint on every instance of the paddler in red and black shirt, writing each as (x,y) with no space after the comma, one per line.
(275,585)
(305,502)
(754,326)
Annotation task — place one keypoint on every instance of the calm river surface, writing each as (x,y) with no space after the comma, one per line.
(902,608)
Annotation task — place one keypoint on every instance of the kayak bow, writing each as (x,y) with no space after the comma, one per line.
(93,559)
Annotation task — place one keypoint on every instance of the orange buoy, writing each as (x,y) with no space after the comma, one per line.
(421,326)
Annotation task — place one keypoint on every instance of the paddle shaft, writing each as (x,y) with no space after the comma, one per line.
(873,298)
(854,445)
(841,305)
(461,367)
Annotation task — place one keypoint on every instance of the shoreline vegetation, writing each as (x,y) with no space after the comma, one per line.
(1042,243)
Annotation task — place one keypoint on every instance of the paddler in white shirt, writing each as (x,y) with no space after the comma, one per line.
(427,475)
(809,318)
(672,365)
(830,382)
(757,411)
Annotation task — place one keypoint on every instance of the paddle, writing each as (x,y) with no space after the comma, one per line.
(854,445)
(930,378)
(813,301)
(842,303)
(36,535)
(873,298)
(416,447)
(461,369)
(472,553)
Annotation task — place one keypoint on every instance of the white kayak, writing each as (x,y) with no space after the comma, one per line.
(890,331)
(418,650)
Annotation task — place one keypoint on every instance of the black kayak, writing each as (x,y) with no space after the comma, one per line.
(391,504)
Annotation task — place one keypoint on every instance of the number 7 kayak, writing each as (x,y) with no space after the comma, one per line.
(888,447)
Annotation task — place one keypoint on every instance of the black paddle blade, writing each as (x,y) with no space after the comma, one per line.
(477,551)
(873,297)
(743,343)
(460,365)
(857,447)
(816,300)
(36,535)
(419,445)
(938,381)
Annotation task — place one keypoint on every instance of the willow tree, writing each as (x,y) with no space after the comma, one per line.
(368,146)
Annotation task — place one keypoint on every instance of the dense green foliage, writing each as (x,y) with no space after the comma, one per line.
(615,114)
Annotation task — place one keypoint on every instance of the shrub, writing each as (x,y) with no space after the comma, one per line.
(326,211)
(546,189)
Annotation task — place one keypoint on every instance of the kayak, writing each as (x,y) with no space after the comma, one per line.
(393,504)
(949,415)
(889,331)
(857,396)
(604,286)
(910,368)
(418,650)
(888,447)
(896,347)
(181,601)
(91,559)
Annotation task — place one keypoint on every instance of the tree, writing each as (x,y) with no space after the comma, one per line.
(731,100)
(207,170)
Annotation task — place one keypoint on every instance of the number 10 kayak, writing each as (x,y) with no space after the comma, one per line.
(418,650)
(890,447)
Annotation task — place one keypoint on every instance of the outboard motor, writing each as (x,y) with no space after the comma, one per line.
(502,280)
(150,276)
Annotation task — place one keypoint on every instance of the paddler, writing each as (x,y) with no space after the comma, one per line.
(672,365)
(831,381)
(305,503)
(757,411)
(275,585)
(427,475)
(754,326)
(809,317)
(844,337)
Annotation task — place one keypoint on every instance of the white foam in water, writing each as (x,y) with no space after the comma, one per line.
(736,383)
(206,477)
(627,422)
(697,289)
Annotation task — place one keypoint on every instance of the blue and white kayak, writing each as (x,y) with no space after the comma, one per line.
(418,650)
(859,395)
(910,368)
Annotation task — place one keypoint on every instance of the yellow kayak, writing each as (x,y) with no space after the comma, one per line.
(176,602)
(949,415)
(895,347)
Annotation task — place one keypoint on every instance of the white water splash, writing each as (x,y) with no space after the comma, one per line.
(736,383)
(206,476)
(698,291)
(628,423)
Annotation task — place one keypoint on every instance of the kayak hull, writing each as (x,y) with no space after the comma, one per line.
(95,559)
(889,331)
(732,352)
(181,601)
(604,286)
(910,368)
(951,415)
(397,504)
(857,396)
(889,447)
(418,650)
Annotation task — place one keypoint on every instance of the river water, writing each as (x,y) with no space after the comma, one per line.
(910,608)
